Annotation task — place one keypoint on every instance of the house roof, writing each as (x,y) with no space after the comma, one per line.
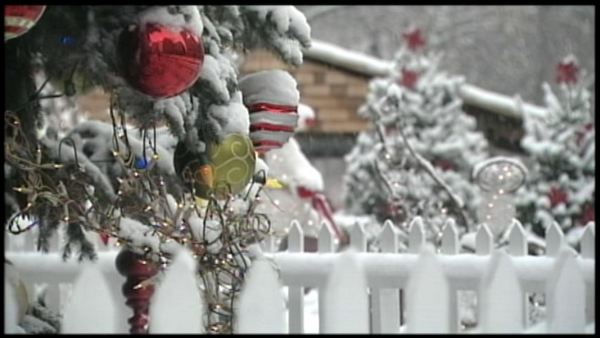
(371,66)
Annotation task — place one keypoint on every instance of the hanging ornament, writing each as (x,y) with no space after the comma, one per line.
(567,71)
(557,196)
(19,19)
(141,163)
(272,101)
(225,169)
(104,237)
(160,61)
(409,78)
(414,39)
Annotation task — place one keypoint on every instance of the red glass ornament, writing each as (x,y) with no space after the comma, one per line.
(104,237)
(136,269)
(566,72)
(414,39)
(160,61)
(19,19)
(557,196)
(409,78)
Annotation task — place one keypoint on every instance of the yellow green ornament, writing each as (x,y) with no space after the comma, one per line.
(226,169)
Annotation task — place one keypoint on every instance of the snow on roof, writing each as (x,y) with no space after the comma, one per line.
(372,66)
(351,60)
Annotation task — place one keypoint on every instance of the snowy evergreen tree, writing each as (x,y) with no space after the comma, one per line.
(561,145)
(172,66)
(420,139)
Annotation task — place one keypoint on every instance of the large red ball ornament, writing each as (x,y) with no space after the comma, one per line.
(160,61)
(19,19)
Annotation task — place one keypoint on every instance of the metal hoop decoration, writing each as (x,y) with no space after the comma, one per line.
(500,174)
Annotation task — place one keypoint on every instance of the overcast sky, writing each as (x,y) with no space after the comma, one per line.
(509,49)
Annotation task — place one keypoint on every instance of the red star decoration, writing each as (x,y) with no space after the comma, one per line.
(409,78)
(414,39)
(588,214)
(557,196)
(566,72)
(583,131)
(445,165)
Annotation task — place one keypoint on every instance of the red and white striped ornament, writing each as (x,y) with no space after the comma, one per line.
(19,19)
(271,125)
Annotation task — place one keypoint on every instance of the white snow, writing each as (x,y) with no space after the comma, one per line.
(216,72)
(139,234)
(359,62)
(177,22)
(231,117)
(270,86)
(306,115)
(285,28)
(498,103)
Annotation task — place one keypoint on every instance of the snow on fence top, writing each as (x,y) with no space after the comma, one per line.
(372,66)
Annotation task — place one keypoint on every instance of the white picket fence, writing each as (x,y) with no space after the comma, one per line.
(359,291)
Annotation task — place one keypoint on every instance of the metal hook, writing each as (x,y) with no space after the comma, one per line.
(65,139)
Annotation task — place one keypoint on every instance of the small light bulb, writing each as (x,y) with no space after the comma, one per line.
(491,205)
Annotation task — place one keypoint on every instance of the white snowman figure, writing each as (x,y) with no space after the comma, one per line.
(298,190)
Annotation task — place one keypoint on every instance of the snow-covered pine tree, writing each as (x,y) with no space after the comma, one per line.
(415,111)
(561,146)
(117,179)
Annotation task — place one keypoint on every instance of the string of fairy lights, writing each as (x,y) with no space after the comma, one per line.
(62,192)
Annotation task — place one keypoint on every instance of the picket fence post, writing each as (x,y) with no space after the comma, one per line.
(427,296)
(450,244)
(555,239)
(261,305)
(91,308)
(500,297)
(588,250)
(296,293)
(177,305)
(385,303)
(565,294)
(517,247)
(346,314)
(416,236)
(325,245)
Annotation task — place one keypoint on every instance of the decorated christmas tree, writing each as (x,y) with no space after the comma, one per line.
(179,166)
(561,145)
(417,158)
